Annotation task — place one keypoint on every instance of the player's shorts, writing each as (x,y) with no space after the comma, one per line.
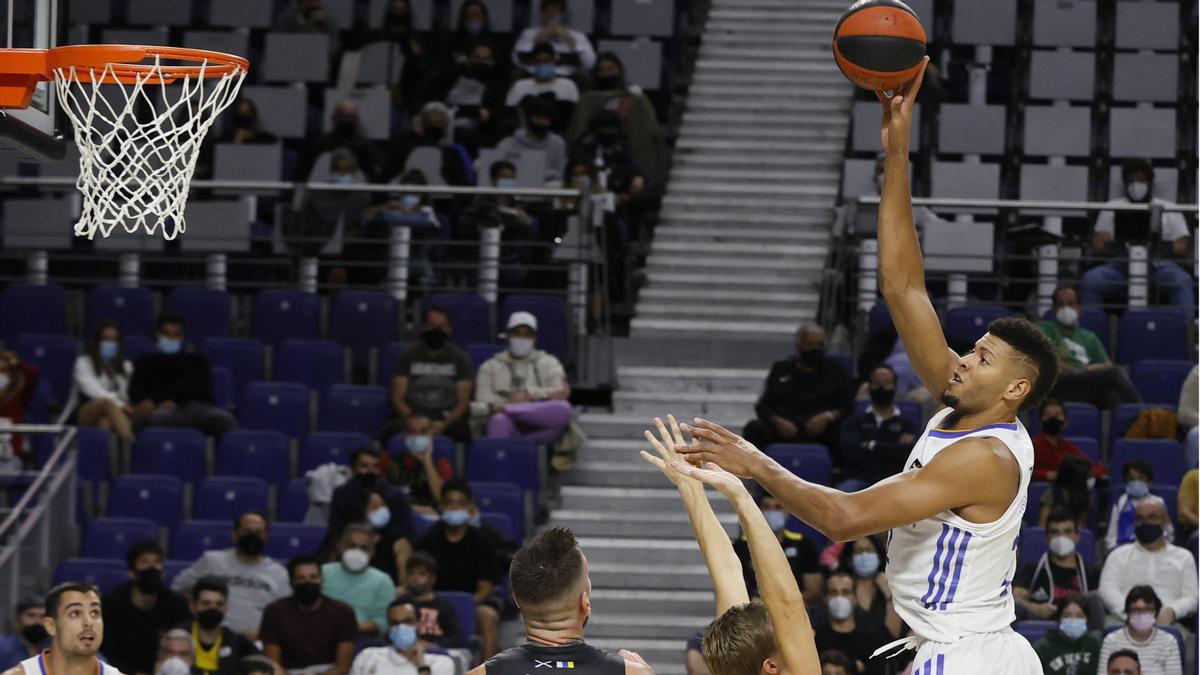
(1000,653)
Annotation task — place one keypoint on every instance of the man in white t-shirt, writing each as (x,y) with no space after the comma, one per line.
(546,83)
(552,28)
(1115,231)
(404,655)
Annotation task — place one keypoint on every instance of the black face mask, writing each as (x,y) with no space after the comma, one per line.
(612,82)
(1148,533)
(417,590)
(35,634)
(479,71)
(435,133)
(345,128)
(813,358)
(307,593)
(882,396)
(245,121)
(210,618)
(538,130)
(435,339)
(607,139)
(367,480)
(149,580)
(1053,426)
(250,544)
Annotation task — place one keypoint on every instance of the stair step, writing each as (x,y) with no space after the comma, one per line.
(650,379)
(837,96)
(617,450)
(725,230)
(763,249)
(667,627)
(691,603)
(787,134)
(630,428)
(701,305)
(789,66)
(618,499)
(747,146)
(733,163)
(805,189)
(628,550)
(693,174)
(669,524)
(616,474)
(740,207)
(713,101)
(755,52)
(750,266)
(756,329)
(655,576)
(720,281)
(777,299)
(686,403)
(767,28)
(759,117)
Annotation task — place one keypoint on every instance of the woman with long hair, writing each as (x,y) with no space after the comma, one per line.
(102,374)
(865,558)
(1071,490)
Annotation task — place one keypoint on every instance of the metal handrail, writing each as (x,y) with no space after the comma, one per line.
(1044,205)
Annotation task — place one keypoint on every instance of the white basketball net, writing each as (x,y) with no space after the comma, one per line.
(138,143)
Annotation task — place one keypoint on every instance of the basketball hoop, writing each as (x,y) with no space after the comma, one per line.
(139,113)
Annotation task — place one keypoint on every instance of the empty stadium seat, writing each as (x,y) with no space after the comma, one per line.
(176,452)
(1138,132)
(316,364)
(502,523)
(1033,544)
(551,314)
(807,460)
(288,540)
(54,355)
(156,13)
(1124,415)
(984,22)
(322,447)
(1147,25)
(135,346)
(363,320)
(226,497)
(965,325)
(158,497)
(248,162)
(281,111)
(1164,455)
(479,353)
(261,454)
(1090,446)
(971,129)
(794,525)
(238,13)
(1062,75)
(132,309)
(506,460)
(632,17)
(1146,77)
(1058,131)
(464,608)
(387,362)
(93,459)
(1051,182)
(103,573)
(966,181)
(275,406)
(295,57)
(281,315)
(1064,24)
(206,312)
(235,41)
(241,357)
(1160,381)
(502,497)
(1151,334)
(33,308)
(356,408)
(193,537)
(470,317)
(111,537)
(223,387)
(293,501)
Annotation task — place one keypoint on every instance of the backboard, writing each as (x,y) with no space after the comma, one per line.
(33,24)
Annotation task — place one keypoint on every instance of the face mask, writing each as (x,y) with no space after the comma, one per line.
(1053,426)
(1148,533)
(307,593)
(538,130)
(209,619)
(411,202)
(866,564)
(474,27)
(418,445)
(367,480)
(1141,621)
(379,518)
(1073,628)
(342,178)
(882,396)
(1066,316)
(840,607)
(149,580)
(813,358)
(355,560)
(345,128)
(1137,191)
(174,666)
(109,349)
(403,636)
(775,520)
(611,82)
(520,347)
(479,71)
(456,517)
(250,544)
(434,339)
(35,634)
(244,122)
(1062,546)
(544,71)
(417,590)
(435,133)
(4,381)
(552,20)
(1137,489)
(507,183)
(169,345)
(1091,482)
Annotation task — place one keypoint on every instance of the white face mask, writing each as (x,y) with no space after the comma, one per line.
(4,381)
(174,666)
(355,560)
(520,347)
(1062,546)
(840,607)
(1137,190)
(1067,316)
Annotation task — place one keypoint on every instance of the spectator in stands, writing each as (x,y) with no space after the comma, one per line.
(637,114)
(1124,662)
(466,561)
(847,628)
(872,594)
(1157,652)
(253,578)
(525,389)
(309,629)
(1085,372)
(176,655)
(1138,475)
(875,442)
(801,552)
(545,83)
(368,497)
(173,388)
(247,125)
(474,26)
(218,649)
(1059,574)
(417,471)
(1152,559)
(398,28)
(404,652)
(432,379)
(102,376)
(368,244)
(573,47)
(1072,491)
(352,580)
(1189,495)
(431,128)
(537,136)
(1050,448)
(437,621)
(309,16)
(1069,649)
(1188,415)
(326,217)
(18,382)
(143,607)
(804,397)
(346,132)
(474,90)
(834,662)
(517,225)
(1107,283)
(30,636)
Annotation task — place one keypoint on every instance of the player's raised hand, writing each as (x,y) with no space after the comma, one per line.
(714,443)
(897,113)
(726,483)
(666,449)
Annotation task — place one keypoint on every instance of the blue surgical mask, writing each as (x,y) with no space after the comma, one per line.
(506,183)
(380,518)
(168,345)
(544,71)
(411,202)
(341,178)
(456,517)
(417,445)
(403,636)
(866,564)
(1073,628)
(775,519)
(109,349)
(1137,489)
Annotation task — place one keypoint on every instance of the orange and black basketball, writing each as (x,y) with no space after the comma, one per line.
(879,44)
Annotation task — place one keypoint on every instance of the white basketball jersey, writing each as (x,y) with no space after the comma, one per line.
(951,577)
(36,665)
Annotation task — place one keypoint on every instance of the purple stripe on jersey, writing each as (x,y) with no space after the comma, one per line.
(926,670)
(941,664)
(946,565)
(936,559)
(958,563)
(942,433)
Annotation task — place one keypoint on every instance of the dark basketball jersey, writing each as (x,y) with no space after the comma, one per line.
(573,659)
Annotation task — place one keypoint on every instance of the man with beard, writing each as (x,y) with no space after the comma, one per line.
(144,608)
(75,623)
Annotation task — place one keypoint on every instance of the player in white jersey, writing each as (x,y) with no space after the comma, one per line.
(76,626)
(955,511)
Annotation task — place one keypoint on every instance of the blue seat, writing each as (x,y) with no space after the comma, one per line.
(1171,630)
(480,352)
(103,573)
(469,316)
(1090,446)
(503,523)
(551,313)
(193,537)
(260,454)
(421,523)
(281,315)
(1160,381)
(357,408)
(1095,320)
(206,312)
(1123,415)
(362,321)
(316,364)
(506,498)
(807,460)
(1164,455)
(222,387)
(54,355)
(1083,419)
(879,319)
(322,447)
(293,501)
(242,358)
(795,525)
(965,325)
(111,537)
(158,497)
(275,406)
(226,497)
(1151,334)
(288,540)
(508,460)
(172,568)
(132,309)
(1033,506)
(1033,544)
(33,308)
(136,346)
(93,458)
(387,362)
(464,609)
(1033,630)
(443,448)
(175,452)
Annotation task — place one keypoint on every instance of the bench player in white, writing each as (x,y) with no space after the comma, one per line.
(76,626)
(955,512)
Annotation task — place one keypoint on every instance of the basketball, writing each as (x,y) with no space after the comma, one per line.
(879,44)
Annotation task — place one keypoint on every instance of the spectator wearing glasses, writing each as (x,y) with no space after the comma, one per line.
(404,653)
(1169,569)
(1157,652)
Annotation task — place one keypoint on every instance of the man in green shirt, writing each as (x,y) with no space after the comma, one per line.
(352,580)
(1085,372)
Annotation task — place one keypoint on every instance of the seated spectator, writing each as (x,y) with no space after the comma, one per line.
(1069,649)
(525,389)
(368,497)
(834,662)
(173,388)
(517,226)
(1188,416)
(404,652)
(368,245)
(143,607)
(18,381)
(474,26)
(803,398)
(253,578)
(1157,652)
(1169,569)
(437,621)
(1186,507)
(1059,574)
(560,91)
(218,649)
(847,628)
(309,631)
(432,379)
(29,637)
(536,136)
(176,656)
(416,471)
(327,217)
(1124,662)
(352,580)
(398,28)
(872,594)
(1071,492)
(875,442)
(247,126)
(466,561)
(801,552)
(1085,372)
(552,29)
(348,133)
(1107,283)
(1050,448)
(102,376)
(308,16)
(431,128)
(474,90)
(1138,474)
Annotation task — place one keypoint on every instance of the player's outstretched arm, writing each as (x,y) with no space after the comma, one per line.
(723,564)
(901,268)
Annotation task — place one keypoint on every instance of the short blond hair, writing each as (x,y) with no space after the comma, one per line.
(738,641)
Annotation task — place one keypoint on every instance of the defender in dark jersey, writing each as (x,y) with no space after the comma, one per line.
(550,583)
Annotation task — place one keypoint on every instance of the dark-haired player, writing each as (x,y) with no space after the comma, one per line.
(955,511)
(550,583)
(76,627)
